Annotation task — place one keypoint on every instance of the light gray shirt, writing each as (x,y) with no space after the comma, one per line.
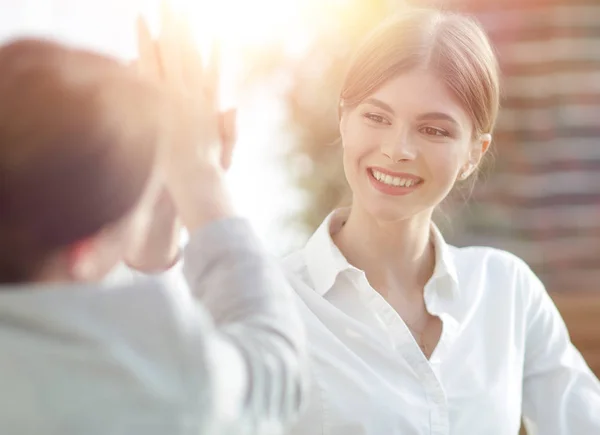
(147,358)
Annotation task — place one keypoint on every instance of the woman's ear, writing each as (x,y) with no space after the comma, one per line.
(478,150)
(485,142)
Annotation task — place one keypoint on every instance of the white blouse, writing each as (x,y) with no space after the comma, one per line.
(504,351)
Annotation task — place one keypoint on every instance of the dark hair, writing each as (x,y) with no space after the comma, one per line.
(78,133)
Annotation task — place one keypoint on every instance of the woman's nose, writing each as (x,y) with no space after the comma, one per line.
(399,147)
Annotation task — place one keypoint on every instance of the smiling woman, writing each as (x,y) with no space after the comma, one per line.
(410,334)
(411,115)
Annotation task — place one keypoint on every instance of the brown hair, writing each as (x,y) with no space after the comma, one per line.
(452,45)
(78,133)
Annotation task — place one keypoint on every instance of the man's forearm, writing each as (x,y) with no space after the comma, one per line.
(254,309)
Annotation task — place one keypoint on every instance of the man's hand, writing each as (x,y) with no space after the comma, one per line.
(174,61)
(201,140)
(200,149)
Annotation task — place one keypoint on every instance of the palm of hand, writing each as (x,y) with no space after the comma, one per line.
(173,61)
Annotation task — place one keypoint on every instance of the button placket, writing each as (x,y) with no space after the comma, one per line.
(410,351)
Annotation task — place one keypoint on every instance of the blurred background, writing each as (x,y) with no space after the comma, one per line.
(539,194)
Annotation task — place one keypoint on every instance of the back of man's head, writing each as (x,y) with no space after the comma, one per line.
(78,134)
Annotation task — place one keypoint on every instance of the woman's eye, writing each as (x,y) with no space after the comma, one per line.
(432,131)
(378,119)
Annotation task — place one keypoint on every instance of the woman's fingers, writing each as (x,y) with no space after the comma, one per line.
(175,59)
(213,71)
(179,59)
(148,62)
(169,48)
(193,65)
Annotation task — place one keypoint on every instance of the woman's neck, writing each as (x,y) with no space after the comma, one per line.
(395,256)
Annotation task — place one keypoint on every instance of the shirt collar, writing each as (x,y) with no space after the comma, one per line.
(321,255)
(445,264)
(325,261)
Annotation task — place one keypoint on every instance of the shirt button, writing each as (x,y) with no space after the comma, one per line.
(439,399)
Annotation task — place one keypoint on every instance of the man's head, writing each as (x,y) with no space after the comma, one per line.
(78,138)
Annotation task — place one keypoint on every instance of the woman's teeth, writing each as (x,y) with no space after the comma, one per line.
(392,181)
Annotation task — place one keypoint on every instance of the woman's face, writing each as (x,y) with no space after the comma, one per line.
(405,146)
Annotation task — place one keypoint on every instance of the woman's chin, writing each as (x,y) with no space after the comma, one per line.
(383,210)
(389,213)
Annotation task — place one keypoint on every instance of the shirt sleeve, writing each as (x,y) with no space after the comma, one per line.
(561,395)
(251,356)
